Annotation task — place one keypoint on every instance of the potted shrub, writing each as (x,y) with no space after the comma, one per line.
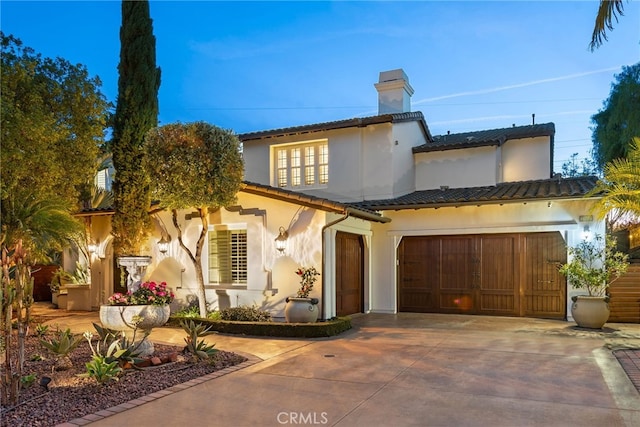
(301,308)
(594,265)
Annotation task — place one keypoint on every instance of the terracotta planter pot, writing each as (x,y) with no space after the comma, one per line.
(301,310)
(590,312)
(123,318)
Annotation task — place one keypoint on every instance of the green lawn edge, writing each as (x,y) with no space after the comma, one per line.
(328,328)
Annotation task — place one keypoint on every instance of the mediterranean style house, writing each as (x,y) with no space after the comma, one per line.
(394,218)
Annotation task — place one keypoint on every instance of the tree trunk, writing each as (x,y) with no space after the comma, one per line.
(197,258)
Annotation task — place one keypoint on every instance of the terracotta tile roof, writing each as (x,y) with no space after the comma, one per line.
(341,124)
(485,137)
(546,189)
(303,199)
(278,194)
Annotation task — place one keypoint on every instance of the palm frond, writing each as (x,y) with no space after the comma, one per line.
(607,12)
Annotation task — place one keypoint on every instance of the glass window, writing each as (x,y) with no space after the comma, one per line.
(303,165)
(228,256)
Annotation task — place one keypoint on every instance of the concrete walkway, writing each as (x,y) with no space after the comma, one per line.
(404,370)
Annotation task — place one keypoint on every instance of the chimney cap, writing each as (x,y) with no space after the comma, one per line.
(394,92)
(392,75)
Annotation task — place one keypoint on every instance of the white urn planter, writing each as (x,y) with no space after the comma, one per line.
(127,318)
(301,310)
(590,312)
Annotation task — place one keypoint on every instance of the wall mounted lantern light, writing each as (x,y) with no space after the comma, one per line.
(163,245)
(281,240)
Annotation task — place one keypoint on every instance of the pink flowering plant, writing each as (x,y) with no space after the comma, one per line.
(307,279)
(149,293)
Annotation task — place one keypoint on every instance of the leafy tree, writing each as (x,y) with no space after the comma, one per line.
(618,122)
(53,120)
(620,188)
(572,168)
(194,165)
(136,113)
(607,12)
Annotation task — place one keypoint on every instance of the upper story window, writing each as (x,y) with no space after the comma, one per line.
(302,165)
(228,255)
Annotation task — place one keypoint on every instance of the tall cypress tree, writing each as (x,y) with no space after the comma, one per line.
(136,113)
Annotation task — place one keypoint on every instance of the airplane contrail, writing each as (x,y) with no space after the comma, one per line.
(503,117)
(515,86)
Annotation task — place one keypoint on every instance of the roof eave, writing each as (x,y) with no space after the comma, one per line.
(479,203)
(312,202)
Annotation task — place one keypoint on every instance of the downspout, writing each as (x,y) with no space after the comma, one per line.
(324,280)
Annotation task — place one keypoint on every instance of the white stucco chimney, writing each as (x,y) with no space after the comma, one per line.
(394,92)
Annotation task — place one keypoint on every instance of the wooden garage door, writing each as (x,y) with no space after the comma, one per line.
(349,273)
(544,287)
(481,274)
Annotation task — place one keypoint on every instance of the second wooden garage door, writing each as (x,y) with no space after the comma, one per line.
(497,274)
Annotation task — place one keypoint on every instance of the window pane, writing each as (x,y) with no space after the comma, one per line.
(282,158)
(295,166)
(282,177)
(323,164)
(282,168)
(323,174)
(295,157)
(309,168)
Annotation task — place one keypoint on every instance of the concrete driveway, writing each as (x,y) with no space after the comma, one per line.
(407,370)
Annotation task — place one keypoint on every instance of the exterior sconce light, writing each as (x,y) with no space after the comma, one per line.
(163,245)
(281,240)
(586,233)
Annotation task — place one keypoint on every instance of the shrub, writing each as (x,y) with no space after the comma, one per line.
(214,315)
(245,314)
(188,312)
(101,370)
(61,346)
(198,348)
(41,329)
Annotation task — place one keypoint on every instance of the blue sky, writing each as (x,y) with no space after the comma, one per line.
(252,66)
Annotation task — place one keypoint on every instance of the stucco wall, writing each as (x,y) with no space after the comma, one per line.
(526,159)
(373,162)
(471,167)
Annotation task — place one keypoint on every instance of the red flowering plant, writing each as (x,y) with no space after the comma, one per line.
(307,279)
(149,293)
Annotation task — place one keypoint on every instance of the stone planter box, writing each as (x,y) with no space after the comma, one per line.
(78,297)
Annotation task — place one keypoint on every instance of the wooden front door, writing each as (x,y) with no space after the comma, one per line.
(349,273)
(481,274)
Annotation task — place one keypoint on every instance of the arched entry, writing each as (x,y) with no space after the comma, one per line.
(349,273)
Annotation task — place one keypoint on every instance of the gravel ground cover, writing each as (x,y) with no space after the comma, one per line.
(69,396)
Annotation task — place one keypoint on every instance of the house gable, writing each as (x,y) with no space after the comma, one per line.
(369,158)
(485,157)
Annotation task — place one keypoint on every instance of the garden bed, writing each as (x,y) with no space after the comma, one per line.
(69,396)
